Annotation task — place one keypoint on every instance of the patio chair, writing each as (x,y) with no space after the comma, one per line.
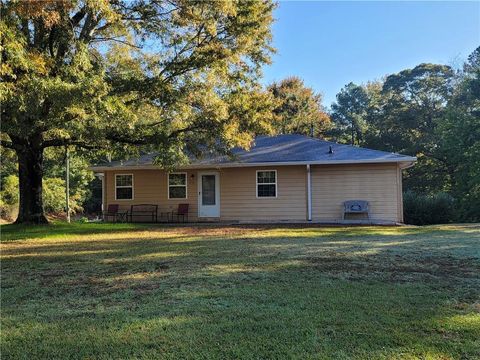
(182,211)
(112,211)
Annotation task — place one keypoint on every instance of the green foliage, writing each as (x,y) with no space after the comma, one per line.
(53,197)
(421,209)
(81,182)
(349,114)
(298,109)
(10,190)
(412,106)
(79,175)
(9,196)
(159,72)
(459,140)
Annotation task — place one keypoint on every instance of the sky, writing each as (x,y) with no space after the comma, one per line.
(329,44)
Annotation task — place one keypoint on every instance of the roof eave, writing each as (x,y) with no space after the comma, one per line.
(404,162)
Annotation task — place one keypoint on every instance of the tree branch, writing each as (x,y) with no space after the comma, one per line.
(114,39)
(64,142)
(184,130)
(75,20)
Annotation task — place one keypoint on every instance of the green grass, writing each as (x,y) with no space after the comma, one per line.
(123,291)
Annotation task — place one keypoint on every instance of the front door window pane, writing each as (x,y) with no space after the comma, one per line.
(208,189)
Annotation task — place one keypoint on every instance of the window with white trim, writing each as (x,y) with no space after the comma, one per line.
(266,183)
(124,187)
(177,185)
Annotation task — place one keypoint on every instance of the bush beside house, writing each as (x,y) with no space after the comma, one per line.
(420,209)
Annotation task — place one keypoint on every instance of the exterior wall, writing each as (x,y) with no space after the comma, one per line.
(150,187)
(379,184)
(239,197)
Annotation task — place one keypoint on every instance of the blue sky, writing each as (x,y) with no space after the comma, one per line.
(329,44)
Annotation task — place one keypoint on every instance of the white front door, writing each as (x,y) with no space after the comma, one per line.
(208,194)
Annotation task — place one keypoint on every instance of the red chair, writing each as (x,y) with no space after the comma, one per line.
(182,211)
(112,211)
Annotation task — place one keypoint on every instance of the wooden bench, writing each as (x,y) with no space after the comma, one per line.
(356,207)
(144,210)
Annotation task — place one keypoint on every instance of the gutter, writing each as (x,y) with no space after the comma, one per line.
(408,160)
(407,165)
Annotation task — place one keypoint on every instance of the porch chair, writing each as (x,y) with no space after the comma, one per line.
(112,211)
(182,211)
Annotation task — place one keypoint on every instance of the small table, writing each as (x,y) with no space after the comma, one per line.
(166,214)
(122,216)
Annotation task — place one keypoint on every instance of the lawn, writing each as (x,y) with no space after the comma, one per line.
(138,291)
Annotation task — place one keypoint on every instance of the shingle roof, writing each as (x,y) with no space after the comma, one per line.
(283,149)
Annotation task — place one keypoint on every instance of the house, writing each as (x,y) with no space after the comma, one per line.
(292,178)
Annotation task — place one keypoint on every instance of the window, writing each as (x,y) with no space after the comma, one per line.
(266,183)
(124,187)
(177,186)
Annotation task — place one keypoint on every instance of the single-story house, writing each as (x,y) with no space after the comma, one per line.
(291,178)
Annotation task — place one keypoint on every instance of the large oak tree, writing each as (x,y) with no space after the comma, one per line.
(175,76)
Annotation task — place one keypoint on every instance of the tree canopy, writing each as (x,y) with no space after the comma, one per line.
(298,109)
(167,75)
(349,114)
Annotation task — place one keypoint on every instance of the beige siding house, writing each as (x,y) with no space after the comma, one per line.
(286,178)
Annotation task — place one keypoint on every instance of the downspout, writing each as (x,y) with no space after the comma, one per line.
(309,193)
(103,192)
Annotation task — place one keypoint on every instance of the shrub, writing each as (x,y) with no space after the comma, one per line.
(53,195)
(9,197)
(421,209)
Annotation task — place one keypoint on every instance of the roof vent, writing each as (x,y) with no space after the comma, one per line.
(330,149)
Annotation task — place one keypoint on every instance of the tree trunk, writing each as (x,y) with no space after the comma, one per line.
(30,175)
